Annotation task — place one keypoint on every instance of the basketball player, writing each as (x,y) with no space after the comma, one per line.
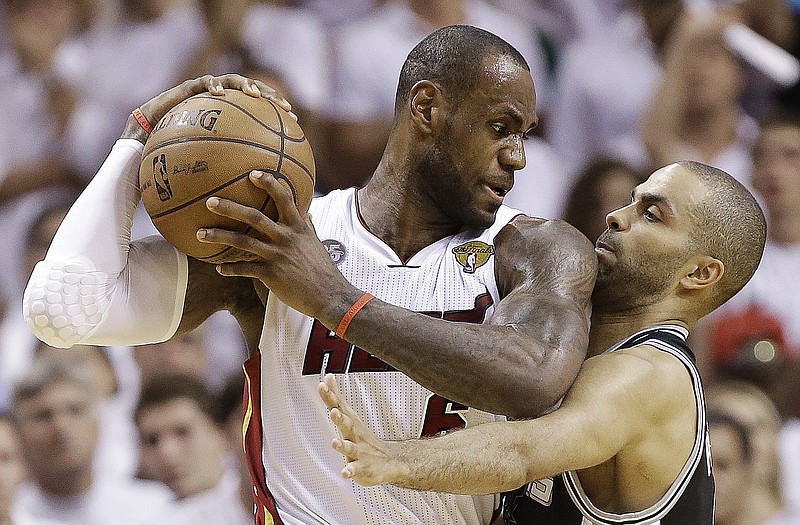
(629,442)
(446,343)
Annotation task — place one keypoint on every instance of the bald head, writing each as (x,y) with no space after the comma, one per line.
(730,227)
(452,58)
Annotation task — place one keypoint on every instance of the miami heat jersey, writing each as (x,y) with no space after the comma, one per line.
(690,499)
(288,433)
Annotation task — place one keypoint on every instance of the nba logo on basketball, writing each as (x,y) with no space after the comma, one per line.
(473,254)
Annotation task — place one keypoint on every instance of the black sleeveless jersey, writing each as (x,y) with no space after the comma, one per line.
(689,500)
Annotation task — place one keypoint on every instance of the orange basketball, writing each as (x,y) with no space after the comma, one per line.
(207,146)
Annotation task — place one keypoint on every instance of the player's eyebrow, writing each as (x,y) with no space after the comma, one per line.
(516,115)
(653,198)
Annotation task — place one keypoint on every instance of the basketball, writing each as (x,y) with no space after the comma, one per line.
(207,146)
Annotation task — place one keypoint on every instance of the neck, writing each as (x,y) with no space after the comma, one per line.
(609,328)
(401,216)
(710,131)
(67,486)
(5,518)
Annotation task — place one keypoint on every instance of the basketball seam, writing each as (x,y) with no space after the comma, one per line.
(243,142)
(277,175)
(280,133)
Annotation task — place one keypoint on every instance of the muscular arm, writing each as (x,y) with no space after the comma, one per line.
(610,408)
(523,360)
(519,364)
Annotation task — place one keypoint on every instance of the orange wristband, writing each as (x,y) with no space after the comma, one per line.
(142,120)
(345,322)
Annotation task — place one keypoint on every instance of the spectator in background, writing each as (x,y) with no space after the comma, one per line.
(743,428)
(606,82)
(183,447)
(54,410)
(117,448)
(370,52)
(604,186)
(12,471)
(36,106)
(26,239)
(697,111)
(769,305)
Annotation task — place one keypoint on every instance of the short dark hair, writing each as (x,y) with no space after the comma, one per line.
(583,195)
(452,58)
(43,374)
(166,387)
(731,228)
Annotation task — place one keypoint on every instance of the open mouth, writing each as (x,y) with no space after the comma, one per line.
(500,192)
(604,247)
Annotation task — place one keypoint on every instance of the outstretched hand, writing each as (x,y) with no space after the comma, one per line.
(370,460)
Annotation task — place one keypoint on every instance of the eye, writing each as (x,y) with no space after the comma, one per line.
(500,129)
(651,213)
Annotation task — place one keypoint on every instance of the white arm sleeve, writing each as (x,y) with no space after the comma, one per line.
(95,286)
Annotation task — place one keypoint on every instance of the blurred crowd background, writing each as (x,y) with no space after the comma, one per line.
(152,434)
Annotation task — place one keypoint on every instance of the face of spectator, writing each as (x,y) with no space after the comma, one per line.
(12,469)
(181,447)
(35,28)
(59,431)
(731,472)
(714,75)
(776,169)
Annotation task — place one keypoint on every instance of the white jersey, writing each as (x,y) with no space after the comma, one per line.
(301,482)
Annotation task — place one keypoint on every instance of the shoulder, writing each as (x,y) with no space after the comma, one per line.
(655,378)
(529,248)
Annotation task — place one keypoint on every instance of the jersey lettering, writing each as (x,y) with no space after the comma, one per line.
(327,353)
(541,490)
(442,415)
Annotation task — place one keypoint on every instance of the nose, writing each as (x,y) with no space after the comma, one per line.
(616,220)
(513,154)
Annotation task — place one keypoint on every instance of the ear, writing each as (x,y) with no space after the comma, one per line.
(425,104)
(705,272)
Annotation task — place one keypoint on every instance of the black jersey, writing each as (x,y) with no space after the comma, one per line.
(689,500)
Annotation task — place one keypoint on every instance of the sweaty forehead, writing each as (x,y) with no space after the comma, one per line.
(506,82)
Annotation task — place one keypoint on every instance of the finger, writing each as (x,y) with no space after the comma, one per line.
(336,394)
(281,195)
(241,241)
(346,448)
(344,423)
(246,214)
(242,269)
(273,95)
(328,397)
(244,84)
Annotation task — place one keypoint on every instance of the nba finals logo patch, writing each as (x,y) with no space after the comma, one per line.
(335,249)
(473,254)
